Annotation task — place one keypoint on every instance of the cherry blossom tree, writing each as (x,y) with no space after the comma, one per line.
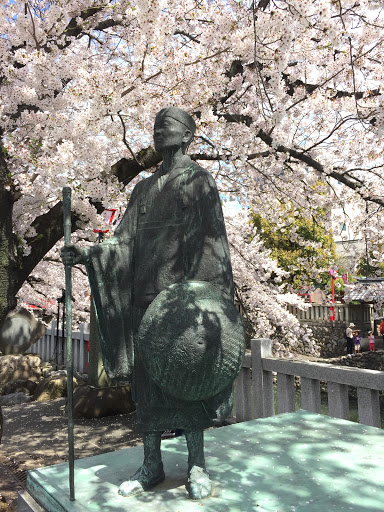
(285,92)
(262,296)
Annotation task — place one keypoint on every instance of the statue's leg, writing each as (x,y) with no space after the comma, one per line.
(199,485)
(151,472)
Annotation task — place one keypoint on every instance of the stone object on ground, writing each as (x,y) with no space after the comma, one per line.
(14,399)
(24,386)
(319,296)
(55,373)
(19,367)
(91,402)
(52,387)
(1,423)
(19,331)
(78,378)
(46,368)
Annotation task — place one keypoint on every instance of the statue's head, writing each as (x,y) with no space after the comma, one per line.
(173,128)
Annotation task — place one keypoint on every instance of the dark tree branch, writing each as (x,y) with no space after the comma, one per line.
(124,138)
(49,229)
(75,30)
(263,4)
(127,169)
(189,36)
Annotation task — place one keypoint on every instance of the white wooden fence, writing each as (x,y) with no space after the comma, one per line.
(319,312)
(344,313)
(52,347)
(254,389)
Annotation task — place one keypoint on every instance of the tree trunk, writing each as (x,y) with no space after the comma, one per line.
(7,241)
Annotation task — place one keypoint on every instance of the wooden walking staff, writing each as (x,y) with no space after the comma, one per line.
(68,304)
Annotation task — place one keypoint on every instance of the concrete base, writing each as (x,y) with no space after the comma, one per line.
(25,503)
(292,462)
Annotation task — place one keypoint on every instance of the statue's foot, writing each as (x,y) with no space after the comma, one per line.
(199,485)
(142,480)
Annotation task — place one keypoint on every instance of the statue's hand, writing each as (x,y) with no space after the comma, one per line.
(71,255)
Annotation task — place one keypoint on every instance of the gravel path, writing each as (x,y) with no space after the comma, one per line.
(35,435)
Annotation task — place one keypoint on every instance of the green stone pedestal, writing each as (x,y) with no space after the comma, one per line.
(296,462)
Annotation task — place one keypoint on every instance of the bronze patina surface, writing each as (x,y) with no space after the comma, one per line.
(172,233)
(191,340)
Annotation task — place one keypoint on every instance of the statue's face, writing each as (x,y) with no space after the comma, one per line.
(169,133)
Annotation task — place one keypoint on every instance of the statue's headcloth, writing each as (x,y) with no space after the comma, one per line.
(179,115)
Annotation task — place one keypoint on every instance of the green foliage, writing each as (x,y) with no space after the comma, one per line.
(288,248)
(369,267)
(339,284)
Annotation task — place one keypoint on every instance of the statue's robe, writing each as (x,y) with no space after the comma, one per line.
(173,230)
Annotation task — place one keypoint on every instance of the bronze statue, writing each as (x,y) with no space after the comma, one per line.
(163,294)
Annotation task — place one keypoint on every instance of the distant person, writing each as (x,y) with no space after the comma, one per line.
(349,338)
(356,342)
(382,329)
(371,339)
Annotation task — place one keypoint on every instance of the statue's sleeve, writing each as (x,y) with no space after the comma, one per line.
(206,251)
(110,274)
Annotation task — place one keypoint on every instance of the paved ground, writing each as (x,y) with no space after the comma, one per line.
(35,435)
(295,461)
